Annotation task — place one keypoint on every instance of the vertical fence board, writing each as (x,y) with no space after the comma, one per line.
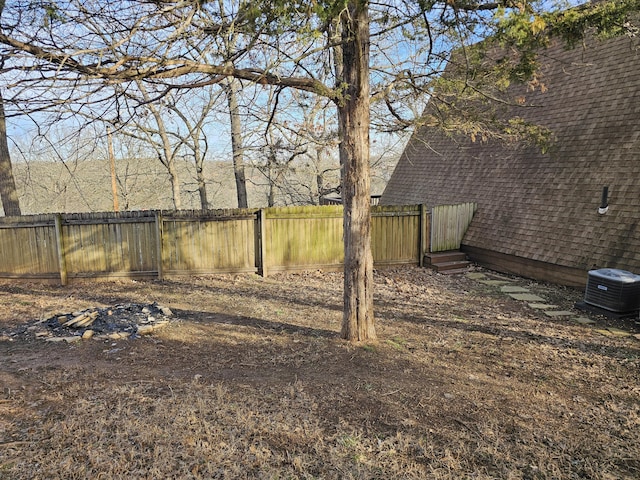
(449,223)
(260,242)
(60,250)
(424,233)
(28,247)
(120,244)
(158,245)
(155,244)
(395,234)
(303,237)
(209,242)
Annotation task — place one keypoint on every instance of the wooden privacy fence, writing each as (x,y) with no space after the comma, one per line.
(449,223)
(158,244)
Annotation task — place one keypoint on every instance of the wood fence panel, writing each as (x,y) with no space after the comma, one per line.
(153,243)
(303,237)
(449,223)
(109,244)
(28,250)
(209,243)
(395,234)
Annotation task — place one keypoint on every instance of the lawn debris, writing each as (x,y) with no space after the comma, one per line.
(129,320)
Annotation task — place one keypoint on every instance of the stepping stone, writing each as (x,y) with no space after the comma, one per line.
(619,333)
(526,297)
(559,313)
(499,277)
(542,306)
(585,321)
(513,289)
(494,283)
(606,333)
(476,275)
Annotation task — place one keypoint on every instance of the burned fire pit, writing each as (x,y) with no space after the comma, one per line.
(120,321)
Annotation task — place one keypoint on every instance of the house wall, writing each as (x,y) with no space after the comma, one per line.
(540,211)
(525,267)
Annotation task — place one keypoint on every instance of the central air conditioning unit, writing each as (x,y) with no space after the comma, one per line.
(614,290)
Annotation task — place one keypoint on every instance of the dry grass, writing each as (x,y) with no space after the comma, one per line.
(253,382)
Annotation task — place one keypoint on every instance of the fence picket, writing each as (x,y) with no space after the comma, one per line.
(449,223)
(160,244)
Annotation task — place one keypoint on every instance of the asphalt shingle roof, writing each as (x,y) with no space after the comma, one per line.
(545,206)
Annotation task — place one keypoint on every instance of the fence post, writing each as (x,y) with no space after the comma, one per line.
(62,261)
(261,256)
(424,233)
(159,233)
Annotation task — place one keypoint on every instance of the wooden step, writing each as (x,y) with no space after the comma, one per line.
(445,267)
(450,262)
(443,257)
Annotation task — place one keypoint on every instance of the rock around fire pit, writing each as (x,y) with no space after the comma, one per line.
(112,323)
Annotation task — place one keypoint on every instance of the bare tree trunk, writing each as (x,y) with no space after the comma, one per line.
(202,188)
(272,175)
(175,187)
(195,131)
(354,120)
(169,160)
(271,198)
(112,168)
(173,173)
(169,156)
(202,184)
(231,89)
(8,192)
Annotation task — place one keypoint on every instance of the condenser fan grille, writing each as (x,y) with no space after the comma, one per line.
(614,290)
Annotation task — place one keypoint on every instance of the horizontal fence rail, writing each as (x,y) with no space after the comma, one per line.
(162,243)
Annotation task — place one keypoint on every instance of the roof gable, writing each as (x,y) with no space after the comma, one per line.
(545,206)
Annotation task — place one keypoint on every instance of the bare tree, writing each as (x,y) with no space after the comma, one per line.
(67,170)
(194,116)
(296,152)
(173,126)
(166,151)
(8,192)
(231,89)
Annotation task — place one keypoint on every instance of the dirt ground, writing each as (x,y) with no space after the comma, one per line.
(251,380)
